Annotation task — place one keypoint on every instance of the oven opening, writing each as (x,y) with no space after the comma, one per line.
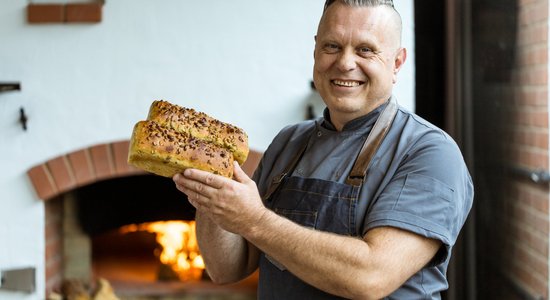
(137,234)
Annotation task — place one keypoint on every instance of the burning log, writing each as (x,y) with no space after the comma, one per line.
(180,250)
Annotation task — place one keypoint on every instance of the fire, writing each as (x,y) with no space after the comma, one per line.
(180,249)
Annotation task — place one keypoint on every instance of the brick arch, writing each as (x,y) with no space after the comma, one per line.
(85,166)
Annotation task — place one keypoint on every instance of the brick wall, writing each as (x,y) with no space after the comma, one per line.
(511,136)
(54,244)
(527,203)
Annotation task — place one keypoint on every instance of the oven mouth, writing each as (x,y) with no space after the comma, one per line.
(96,243)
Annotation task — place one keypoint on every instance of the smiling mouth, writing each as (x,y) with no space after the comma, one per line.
(346,83)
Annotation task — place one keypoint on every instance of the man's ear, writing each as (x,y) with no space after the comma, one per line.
(400,58)
(315,45)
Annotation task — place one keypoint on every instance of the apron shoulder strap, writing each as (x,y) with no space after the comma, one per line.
(371,145)
(289,167)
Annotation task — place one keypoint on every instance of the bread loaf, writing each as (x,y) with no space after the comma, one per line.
(201,126)
(166,152)
(175,138)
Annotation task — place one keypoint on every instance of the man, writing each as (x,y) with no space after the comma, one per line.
(364,203)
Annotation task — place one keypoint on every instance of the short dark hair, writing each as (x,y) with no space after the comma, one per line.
(362,3)
(368,3)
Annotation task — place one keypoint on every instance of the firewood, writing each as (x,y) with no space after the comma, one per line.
(73,289)
(104,291)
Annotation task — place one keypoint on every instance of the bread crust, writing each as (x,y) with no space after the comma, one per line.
(201,126)
(164,151)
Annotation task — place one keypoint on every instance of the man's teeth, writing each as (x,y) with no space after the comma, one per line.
(346,83)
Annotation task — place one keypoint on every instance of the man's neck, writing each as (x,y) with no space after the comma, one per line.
(340,119)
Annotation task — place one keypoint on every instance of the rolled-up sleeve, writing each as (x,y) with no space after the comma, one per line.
(430,194)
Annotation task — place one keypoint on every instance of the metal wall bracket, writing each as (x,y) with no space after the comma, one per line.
(536,176)
(10,86)
(22,280)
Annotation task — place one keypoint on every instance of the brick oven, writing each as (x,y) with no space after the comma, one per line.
(89,195)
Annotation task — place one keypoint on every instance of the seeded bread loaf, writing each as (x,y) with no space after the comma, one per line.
(201,126)
(166,152)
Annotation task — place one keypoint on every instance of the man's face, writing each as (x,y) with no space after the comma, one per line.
(357,57)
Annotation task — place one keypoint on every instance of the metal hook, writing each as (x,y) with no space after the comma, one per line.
(23,118)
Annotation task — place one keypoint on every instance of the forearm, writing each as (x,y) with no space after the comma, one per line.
(336,264)
(341,265)
(227,256)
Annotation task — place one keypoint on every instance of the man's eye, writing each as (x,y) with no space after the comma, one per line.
(331,47)
(365,50)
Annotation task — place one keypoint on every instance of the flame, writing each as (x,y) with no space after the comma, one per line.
(180,249)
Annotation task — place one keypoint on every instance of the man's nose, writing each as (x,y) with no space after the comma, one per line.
(346,61)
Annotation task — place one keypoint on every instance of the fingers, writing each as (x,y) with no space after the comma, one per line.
(206,178)
(239,174)
(203,189)
(195,198)
(199,186)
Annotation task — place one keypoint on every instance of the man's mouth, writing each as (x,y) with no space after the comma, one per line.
(346,83)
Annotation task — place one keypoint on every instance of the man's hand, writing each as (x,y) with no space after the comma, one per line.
(225,209)
(232,204)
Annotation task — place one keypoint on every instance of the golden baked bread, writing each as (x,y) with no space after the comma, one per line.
(166,152)
(201,126)
(174,138)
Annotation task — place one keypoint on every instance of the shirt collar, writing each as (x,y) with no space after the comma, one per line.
(361,122)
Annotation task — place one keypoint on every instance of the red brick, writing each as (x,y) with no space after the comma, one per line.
(52,211)
(120,155)
(102,161)
(534,221)
(538,139)
(62,173)
(53,249)
(525,2)
(529,282)
(532,56)
(531,117)
(533,76)
(45,13)
(83,12)
(54,265)
(53,231)
(533,12)
(540,202)
(533,33)
(539,160)
(537,242)
(535,262)
(43,182)
(53,284)
(540,119)
(81,164)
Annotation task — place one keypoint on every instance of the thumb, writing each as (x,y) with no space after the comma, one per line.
(239,174)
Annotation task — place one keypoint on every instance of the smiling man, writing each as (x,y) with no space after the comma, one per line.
(363,203)
(358,54)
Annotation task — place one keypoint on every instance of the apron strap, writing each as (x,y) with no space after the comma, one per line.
(279,178)
(359,170)
(371,145)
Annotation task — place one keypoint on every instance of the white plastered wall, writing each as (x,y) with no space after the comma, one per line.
(247,62)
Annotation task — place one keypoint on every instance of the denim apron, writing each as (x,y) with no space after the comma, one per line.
(319,204)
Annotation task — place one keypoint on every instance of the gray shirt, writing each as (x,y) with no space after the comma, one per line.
(417,181)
